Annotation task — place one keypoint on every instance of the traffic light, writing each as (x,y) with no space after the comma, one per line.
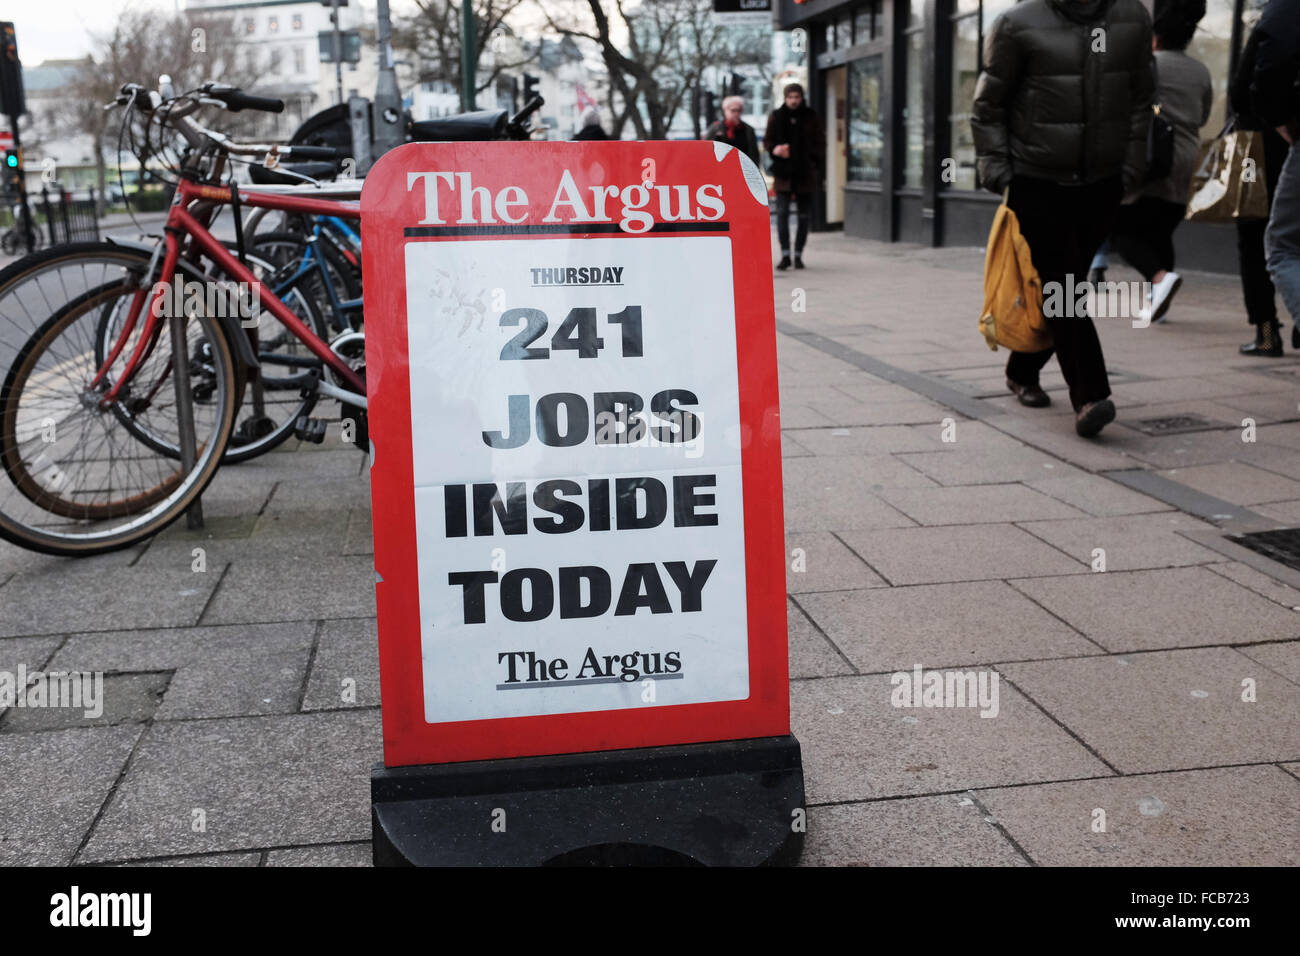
(12,100)
(530,87)
(12,173)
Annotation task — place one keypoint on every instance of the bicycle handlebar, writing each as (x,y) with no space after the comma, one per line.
(236,99)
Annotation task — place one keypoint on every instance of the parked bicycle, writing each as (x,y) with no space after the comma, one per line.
(121,400)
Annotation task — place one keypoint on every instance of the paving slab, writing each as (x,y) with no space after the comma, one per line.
(819,561)
(980,466)
(1260,583)
(811,654)
(958,553)
(345,670)
(1284,658)
(79,599)
(1169,710)
(259,781)
(335,854)
(941,625)
(292,537)
(1130,542)
(857,746)
(977,504)
(53,785)
(314,495)
(1174,607)
(328,587)
(947,830)
(30,652)
(205,859)
(219,671)
(1236,482)
(1098,496)
(113,699)
(360,538)
(1247,815)
(873,440)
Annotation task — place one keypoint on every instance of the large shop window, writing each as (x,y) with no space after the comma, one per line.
(971,20)
(913,110)
(1212,45)
(866,134)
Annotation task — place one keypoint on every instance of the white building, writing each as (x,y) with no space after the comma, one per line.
(283,43)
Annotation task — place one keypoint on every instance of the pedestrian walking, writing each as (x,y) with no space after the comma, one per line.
(733,130)
(591,128)
(1144,229)
(1276,102)
(795,141)
(1256,284)
(1060,122)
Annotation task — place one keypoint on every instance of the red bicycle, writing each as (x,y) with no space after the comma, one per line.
(128,364)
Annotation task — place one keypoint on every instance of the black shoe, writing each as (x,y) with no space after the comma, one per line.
(784,263)
(1295,337)
(1268,341)
(798,261)
(1093,417)
(1030,395)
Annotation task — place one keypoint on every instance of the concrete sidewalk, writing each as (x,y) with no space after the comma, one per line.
(1121,737)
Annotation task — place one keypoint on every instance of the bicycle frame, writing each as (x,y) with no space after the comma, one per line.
(181,222)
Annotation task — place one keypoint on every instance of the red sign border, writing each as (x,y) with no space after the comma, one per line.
(386,212)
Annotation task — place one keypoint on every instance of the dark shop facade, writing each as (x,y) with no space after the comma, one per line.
(894,80)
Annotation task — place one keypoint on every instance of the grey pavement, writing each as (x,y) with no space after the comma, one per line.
(1147,668)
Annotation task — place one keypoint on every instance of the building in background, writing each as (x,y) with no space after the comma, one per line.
(894,81)
(289,46)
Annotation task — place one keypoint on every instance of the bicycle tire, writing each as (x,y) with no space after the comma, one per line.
(123,519)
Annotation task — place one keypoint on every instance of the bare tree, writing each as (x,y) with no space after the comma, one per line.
(656,52)
(143,45)
(432,36)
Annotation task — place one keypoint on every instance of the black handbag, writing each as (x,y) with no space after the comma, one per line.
(1160,147)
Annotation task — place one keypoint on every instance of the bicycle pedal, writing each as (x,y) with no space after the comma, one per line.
(255,427)
(310,429)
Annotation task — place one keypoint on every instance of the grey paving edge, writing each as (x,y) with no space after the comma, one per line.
(925,385)
(1188,500)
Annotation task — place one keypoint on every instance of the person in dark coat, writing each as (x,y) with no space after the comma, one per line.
(795,141)
(1275,98)
(591,128)
(733,130)
(1065,129)
(1256,285)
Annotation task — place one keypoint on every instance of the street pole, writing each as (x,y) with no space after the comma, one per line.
(338,49)
(467,43)
(29,238)
(387,116)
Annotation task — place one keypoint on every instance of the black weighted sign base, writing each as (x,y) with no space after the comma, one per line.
(726,803)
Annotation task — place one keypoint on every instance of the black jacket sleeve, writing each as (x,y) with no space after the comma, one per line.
(991,113)
(1142,96)
(1277,63)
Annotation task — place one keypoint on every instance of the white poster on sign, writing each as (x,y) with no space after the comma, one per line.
(576,456)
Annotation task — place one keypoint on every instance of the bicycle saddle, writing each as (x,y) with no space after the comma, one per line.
(262,176)
(462,128)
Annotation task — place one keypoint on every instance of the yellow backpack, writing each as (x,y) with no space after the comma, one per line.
(1013,292)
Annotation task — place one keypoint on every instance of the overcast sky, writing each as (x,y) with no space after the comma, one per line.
(60,29)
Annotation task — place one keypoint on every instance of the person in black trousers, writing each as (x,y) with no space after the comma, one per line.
(1066,129)
(796,143)
(1256,284)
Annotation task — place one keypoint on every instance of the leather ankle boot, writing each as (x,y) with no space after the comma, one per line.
(1268,341)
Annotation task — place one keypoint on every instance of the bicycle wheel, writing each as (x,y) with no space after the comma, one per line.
(275,396)
(81,482)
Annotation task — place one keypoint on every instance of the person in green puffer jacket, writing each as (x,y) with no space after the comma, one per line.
(1061,115)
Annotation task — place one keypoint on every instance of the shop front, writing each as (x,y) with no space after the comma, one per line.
(894,81)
